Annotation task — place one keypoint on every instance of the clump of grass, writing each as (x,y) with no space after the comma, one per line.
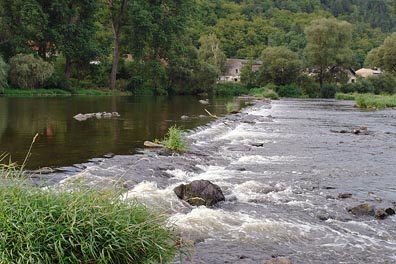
(81,225)
(9,169)
(345,96)
(264,92)
(174,139)
(230,107)
(375,101)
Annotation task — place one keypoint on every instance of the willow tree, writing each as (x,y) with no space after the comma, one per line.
(280,66)
(328,41)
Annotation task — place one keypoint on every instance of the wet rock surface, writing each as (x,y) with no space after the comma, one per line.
(200,192)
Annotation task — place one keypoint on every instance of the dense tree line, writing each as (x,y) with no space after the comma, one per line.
(165,46)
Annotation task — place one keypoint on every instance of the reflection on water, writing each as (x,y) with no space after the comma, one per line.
(65,141)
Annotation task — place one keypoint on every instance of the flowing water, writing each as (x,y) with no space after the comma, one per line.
(281,167)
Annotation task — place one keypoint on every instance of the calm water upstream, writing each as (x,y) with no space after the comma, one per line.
(63,140)
(281,167)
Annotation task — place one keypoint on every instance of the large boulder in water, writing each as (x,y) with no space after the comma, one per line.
(200,192)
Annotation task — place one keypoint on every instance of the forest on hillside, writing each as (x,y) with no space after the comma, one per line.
(173,46)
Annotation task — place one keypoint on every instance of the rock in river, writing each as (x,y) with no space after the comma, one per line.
(362,210)
(200,192)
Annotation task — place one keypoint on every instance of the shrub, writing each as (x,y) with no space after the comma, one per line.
(230,89)
(79,225)
(383,84)
(328,90)
(3,74)
(265,92)
(28,72)
(57,82)
(174,139)
(291,90)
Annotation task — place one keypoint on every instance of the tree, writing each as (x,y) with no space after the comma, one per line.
(210,52)
(280,66)
(117,10)
(27,72)
(3,74)
(384,56)
(328,45)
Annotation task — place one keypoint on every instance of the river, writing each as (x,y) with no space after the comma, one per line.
(282,167)
(64,141)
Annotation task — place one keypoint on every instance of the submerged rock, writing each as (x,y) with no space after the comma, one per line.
(362,210)
(380,214)
(200,192)
(344,195)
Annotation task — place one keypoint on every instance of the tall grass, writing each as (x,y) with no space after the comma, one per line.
(174,139)
(375,101)
(345,96)
(264,92)
(79,226)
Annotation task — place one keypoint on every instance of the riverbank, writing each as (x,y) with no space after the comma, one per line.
(59,92)
(76,224)
(370,101)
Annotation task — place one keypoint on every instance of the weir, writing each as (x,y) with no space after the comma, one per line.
(282,167)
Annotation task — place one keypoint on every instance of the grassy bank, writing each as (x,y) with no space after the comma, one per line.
(80,225)
(375,101)
(346,96)
(58,92)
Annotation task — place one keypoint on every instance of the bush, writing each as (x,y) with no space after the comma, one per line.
(3,75)
(78,226)
(265,92)
(28,72)
(291,90)
(57,82)
(383,84)
(361,86)
(174,139)
(328,90)
(230,89)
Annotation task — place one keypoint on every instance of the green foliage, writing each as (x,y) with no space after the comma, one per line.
(174,139)
(328,90)
(28,72)
(230,89)
(280,66)
(375,101)
(3,75)
(384,57)
(291,90)
(210,52)
(265,92)
(35,92)
(328,45)
(79,226)
(380,84)
(345,96)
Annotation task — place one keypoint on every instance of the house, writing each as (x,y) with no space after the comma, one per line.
(364,72)
(234,67)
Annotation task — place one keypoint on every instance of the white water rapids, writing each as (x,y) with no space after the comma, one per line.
(281,168)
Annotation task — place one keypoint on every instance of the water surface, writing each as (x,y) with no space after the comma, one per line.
(64,141)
